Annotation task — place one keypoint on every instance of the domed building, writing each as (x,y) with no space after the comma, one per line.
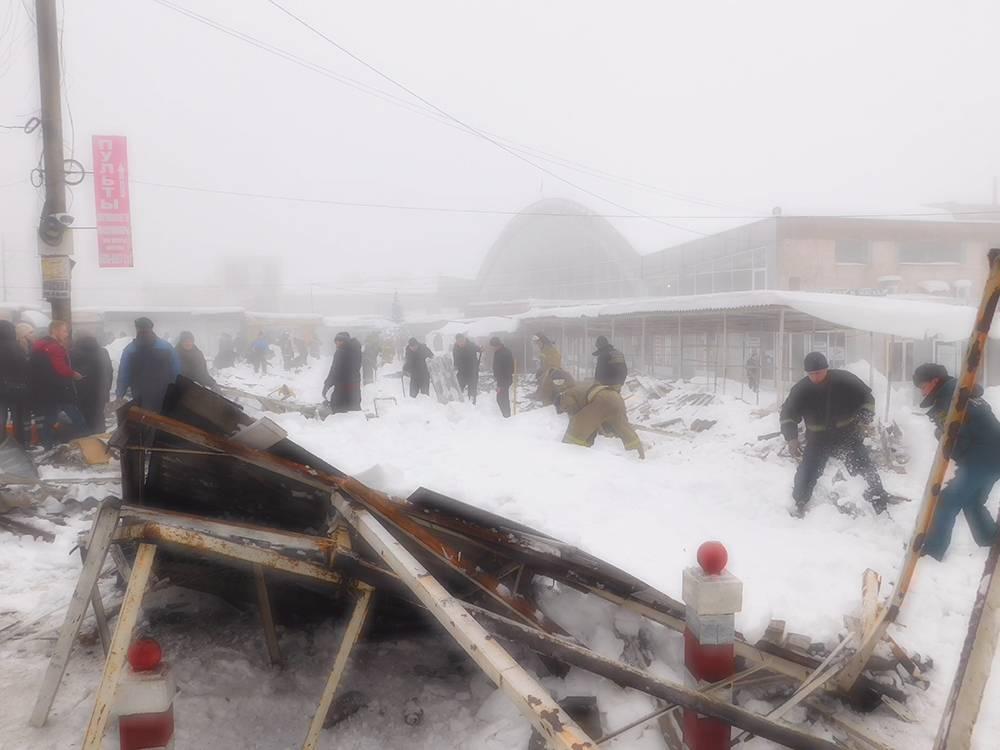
(557,249)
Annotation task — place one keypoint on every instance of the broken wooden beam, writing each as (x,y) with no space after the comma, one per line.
(551,721)
(631,677)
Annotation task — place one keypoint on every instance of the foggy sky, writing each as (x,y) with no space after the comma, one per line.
(818,108)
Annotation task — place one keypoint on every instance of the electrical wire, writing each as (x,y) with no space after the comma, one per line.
(473,130)
(426,112)
(559,214)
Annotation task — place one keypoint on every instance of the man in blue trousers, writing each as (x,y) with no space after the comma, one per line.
(976,457)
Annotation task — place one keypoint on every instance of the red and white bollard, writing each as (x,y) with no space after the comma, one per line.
(144,702)
(713,597)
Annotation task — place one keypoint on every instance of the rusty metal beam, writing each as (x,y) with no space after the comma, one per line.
(152,532)
(377,502)
(558,729)
(630,677)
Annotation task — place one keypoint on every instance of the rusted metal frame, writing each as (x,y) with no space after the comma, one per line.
(215,454)
(975,351)
(558,729)
(286,540)
(975,662)
(266,616)
(631,677)
(520,545)
(347,643)
(156,533)
(101,534)
(374,501)
(115,661)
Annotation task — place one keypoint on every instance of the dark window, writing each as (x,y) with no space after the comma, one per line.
(929,251)
(853,251)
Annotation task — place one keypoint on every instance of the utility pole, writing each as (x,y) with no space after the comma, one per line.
(55,244)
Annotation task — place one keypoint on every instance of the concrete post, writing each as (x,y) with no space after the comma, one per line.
(713,596)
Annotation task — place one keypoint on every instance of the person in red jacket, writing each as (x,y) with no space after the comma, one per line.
(53,385)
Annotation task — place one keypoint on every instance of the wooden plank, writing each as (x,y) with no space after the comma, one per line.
(974,354)
(267,616)
(100,539)
(631,677)
(820,677)
(966,695)
(871,582)
(347,643)
(97,604)
(120,642)
(558,729)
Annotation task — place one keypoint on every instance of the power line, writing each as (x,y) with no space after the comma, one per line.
(470,128)
(426,112)
(557,214)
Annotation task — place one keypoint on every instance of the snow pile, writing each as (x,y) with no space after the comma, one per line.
(647,517)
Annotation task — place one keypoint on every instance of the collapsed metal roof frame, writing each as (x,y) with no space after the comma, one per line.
(430,549)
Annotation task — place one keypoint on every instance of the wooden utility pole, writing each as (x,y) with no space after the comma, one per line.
(55,245)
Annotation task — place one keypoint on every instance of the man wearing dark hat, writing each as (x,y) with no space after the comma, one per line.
(976,456)
(465,356)
(611,369)
(835,406)
(415,365)
(345,374)
(148,365)
(503,373)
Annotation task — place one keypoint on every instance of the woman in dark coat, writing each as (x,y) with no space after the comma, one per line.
(93,362)
(193,364)
(13,382)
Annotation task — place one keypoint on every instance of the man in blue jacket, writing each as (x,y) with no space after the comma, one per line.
(976,456)
(148,365)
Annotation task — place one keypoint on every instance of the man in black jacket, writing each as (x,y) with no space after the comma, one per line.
(976,456)
(611,369)
(503,373)
(345,375)
(466,357)
(13,381)
(835,405)
(192,361)
(415,365)
(93,362)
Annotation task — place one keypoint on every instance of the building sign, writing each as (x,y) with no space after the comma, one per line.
(55,276)
(111,200)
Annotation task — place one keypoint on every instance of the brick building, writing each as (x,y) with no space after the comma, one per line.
(853,255)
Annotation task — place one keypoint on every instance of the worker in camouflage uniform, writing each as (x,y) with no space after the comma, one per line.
(591,407)
(550,368)
(976,456)
(836,406)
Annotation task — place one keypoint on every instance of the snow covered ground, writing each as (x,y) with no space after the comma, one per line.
(646,517)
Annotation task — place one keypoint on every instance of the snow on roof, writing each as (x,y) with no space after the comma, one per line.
(909,319)
(262,316)
(478,327)
(347,322)
(934,286)
(160,310)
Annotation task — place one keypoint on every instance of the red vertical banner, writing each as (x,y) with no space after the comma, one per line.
(111,200)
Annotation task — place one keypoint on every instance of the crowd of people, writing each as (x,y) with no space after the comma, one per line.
(61,383)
